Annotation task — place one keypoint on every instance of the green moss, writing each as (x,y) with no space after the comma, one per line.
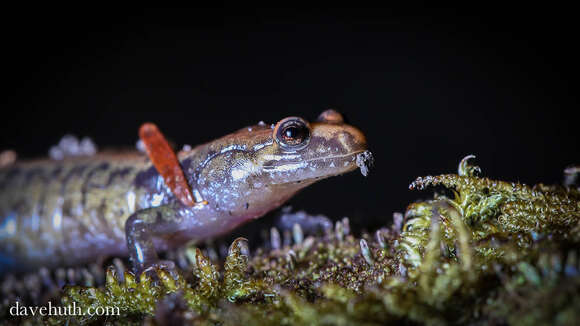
(496,252)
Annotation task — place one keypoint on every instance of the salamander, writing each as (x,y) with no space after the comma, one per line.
(68,212)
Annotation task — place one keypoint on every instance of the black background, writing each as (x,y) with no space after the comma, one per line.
(426,86)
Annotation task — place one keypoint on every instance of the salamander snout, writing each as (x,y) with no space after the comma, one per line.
(335,144)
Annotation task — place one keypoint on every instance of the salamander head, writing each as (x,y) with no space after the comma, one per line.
(263,166)
(305,152)
(248,173)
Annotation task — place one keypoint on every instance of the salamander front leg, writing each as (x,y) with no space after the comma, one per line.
(140,230)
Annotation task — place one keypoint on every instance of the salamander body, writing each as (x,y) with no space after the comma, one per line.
(70,211)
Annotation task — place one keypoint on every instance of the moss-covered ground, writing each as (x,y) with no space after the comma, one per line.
(482,252)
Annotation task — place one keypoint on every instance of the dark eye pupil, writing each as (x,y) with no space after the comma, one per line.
(294,135)
(291,132)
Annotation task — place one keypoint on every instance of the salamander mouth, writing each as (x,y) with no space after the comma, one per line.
(362,159)
(323,167)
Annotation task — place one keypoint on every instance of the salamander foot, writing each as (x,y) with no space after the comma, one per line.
(166,265)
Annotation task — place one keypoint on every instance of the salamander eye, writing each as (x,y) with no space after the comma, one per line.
(292,133)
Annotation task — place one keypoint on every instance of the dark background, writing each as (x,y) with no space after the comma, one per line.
(426,86)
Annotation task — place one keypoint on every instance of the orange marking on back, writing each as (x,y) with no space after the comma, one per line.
(166,163)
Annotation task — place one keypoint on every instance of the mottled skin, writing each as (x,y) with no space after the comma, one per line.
(69,212)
